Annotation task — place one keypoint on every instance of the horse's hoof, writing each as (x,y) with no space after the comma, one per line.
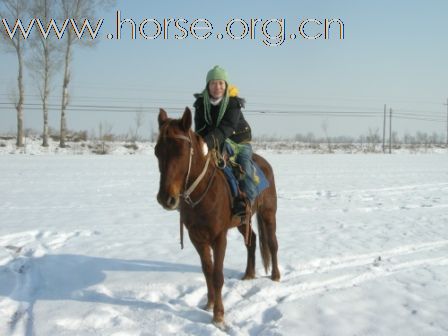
(208,307)
(248,277)
(275,277)
(219,323)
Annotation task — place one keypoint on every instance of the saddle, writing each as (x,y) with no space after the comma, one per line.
(234,172)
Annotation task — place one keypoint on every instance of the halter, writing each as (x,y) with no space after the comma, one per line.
(186,195)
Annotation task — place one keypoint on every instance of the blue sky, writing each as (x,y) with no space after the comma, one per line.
(394,53)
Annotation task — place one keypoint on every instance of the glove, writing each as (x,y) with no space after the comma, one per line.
(210,140)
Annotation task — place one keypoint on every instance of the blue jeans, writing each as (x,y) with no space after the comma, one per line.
(244,158)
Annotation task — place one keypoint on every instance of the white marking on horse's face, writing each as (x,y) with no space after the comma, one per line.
(204,149)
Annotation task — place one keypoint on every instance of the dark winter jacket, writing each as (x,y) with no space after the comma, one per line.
(233,125)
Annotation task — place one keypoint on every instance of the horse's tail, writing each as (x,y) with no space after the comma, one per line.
(264,247)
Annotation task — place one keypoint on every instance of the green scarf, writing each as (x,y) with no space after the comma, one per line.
(207,107)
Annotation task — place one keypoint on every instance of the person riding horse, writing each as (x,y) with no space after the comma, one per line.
(219,120)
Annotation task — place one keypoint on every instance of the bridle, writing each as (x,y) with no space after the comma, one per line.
(186,195)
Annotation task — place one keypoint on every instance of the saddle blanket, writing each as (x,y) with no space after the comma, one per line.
(262,184)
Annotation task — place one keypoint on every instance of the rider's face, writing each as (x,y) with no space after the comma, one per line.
(217,88)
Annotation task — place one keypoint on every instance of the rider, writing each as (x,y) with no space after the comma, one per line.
(218,119)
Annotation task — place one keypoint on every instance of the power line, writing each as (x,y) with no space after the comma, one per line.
(178,100)
(384,127)
(259,107)
(416,118)
(153,109)
(446,122)
(331,114)
(390,131)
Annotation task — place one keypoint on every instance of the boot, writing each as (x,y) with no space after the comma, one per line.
(241,211)
(239,207)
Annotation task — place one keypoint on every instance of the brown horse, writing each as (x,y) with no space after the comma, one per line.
(191,183)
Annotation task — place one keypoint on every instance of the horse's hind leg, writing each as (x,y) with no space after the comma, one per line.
(250,268)
(270,225)
(207,268)
(268,239)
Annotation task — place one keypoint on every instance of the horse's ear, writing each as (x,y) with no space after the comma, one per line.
(163,117)
(186,119)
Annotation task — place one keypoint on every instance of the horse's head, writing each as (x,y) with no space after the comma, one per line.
(173,153)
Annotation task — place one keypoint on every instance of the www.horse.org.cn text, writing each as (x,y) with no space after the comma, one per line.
(271,32)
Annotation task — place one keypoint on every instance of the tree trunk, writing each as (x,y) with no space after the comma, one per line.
(19,106)
(45,97)
(65,92)
(46,131)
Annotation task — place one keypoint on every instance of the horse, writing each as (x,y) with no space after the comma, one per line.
(191,183)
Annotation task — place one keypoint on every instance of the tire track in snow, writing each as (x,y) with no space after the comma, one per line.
(368,200)
(364,192)
(329,264)
(354,279)
(253,304)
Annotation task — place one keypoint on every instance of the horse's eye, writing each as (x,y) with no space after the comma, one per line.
(157,150)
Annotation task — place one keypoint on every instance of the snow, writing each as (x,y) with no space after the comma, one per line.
(33,146)
(85,249)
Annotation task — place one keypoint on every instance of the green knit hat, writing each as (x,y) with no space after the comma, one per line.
(217,73)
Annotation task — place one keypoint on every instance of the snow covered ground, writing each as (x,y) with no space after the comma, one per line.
(33,146)
(86,250)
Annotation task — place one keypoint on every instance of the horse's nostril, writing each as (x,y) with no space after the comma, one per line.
(171,201)
(168,202)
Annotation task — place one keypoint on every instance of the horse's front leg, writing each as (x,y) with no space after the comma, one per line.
(207,268)
(219,251)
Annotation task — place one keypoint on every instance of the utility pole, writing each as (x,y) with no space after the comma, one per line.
(446,123)
(390,131)
(384,129)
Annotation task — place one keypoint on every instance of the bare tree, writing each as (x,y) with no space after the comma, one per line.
(139,120)
(324,126)
(395,140)
(310,138)
(408,139)
(44,59)
(11,10)
(78,11)
(105,135)
(373,139)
